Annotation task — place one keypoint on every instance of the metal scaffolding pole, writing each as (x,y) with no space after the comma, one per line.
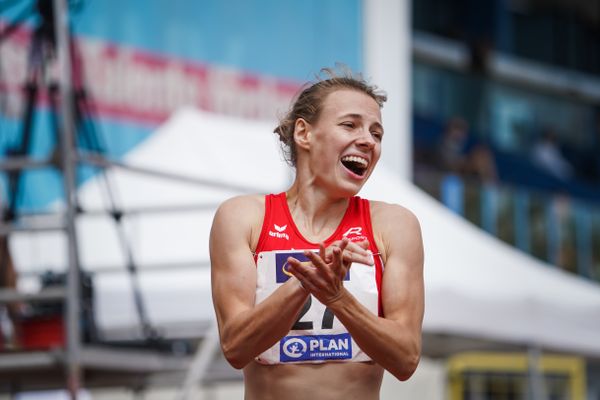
(67,134)
(101,161)
(16,163)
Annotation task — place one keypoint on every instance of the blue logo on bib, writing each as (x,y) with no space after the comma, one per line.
(315,348)
(281,265)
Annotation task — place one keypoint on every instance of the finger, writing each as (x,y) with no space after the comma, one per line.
(302,272)
(316,259)
(315,274)
(344,244)
(350,258)
(328,253)
(322,251)
(296,268)
(321,270)
(360,253)
(338,262)
(338,255)
(356,252)
(305,283)
(363,245)
(329,256)
(358,247)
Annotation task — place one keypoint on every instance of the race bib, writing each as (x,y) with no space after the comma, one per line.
(317,336)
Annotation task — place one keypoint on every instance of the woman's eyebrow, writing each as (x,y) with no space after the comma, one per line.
(359,116)
(351,115)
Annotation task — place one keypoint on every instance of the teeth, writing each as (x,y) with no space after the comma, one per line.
(356,159)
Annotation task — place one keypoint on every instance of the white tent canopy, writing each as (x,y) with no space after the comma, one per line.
(476,286)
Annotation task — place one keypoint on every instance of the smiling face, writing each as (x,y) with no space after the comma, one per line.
(340,150)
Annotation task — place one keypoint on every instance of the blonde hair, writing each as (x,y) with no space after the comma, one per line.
(309,103)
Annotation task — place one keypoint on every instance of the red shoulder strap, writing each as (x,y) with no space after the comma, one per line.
(365,210)
(269,198)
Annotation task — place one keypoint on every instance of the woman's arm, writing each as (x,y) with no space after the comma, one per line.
(392,341)
(245,329)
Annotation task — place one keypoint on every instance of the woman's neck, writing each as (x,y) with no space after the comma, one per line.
(315,212)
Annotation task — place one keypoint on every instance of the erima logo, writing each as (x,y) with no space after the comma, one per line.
(279,232)
(279,228)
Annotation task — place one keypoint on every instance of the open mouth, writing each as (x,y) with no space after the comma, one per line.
(356,165)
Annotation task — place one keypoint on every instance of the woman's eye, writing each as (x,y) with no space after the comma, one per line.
(377,135)
(348,124)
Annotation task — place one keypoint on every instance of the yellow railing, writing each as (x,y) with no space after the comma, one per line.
(515,366)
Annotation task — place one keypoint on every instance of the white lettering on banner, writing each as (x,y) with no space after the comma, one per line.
(130,83)
(13,64)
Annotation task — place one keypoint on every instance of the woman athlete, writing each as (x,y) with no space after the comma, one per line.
(316,290)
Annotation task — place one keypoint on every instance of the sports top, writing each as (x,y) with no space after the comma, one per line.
(317,336)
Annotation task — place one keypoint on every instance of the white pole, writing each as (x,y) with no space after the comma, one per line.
(387,62)
(537,385)
(200,364)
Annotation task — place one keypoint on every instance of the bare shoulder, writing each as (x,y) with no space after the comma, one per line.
(395,227)
(240,216)
(246,206)
(386,216)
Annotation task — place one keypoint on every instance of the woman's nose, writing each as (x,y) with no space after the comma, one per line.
(366,139)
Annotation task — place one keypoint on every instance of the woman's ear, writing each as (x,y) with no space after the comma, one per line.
(302,133)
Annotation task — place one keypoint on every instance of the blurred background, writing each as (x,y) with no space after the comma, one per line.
(123,125)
